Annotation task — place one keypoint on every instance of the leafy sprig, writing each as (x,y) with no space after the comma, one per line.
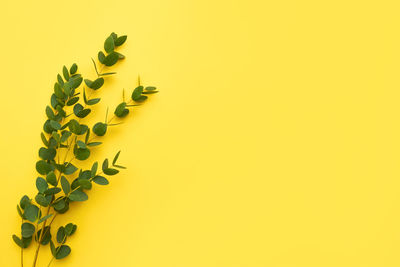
(62,181)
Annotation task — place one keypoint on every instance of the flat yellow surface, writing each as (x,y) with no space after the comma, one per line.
(275,140)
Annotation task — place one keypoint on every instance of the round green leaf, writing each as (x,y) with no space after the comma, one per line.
(51,178)
(43,167)
(85,184)
(109,44)
(121,110)
(81,153)
(101,56)
(78,195)
(27,230)
(70,229)
(52,191)
(24,202)
(42,200)
(120,40)
(31,213)
(137,93)
(47,153)
(100,129)
(111,59)
(41,184)
(62,252)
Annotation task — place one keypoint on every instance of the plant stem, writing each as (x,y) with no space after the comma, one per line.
(22,252)
(40,239)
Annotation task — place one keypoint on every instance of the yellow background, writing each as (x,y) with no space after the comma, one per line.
(275,140)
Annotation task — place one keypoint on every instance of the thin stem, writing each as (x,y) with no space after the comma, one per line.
(40,239)
(50,261)
(22,253)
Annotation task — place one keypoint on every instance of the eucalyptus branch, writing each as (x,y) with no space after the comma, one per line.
(60,182)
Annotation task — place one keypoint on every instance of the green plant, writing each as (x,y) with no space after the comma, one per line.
(62,181)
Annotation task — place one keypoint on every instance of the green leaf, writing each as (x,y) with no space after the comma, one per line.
(31,213)
(27,230)
(43,167)
(42,200)
(85,184)
(67,88)
(73,68)
(44,139)
(72,101)
(101,57)
(51,178)
(78,195)
(24,243)
(137,93)
(74,126)
(116,158)
(52,191)
(18,241)
(93,170)
(120,56)
(41,184)
(65,73)
(75,81)
(81,153)
(55,125)
(50,113)
(100,180)
(58,91)
(121,110)
(96,84)
(24,202)
(70,229)
(107,73)
(44,218)
(105,165)
(150,88)
(94,144)
(111,59)
(60,80)
(52,248)
(47,153)
(61,235)
(110,171)
(70,169)
(62,252)
(109,44)
(120,40)
(141,98)
(66,187)
(59,205)
(83,113)
(56,137)
(150,92)
(100,129)
(93,101)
